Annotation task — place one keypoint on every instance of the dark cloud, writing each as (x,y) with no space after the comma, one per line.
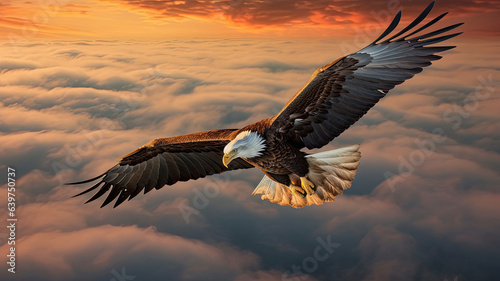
(6,64)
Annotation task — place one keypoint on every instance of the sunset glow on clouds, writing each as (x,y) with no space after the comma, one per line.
(77,93)
(164,19)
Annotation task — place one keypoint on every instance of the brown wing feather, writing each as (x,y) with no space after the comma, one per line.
(165,161)
(340,93)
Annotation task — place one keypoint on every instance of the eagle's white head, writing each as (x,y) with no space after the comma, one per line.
(247,144)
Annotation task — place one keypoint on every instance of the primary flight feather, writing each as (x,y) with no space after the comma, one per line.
(333,99)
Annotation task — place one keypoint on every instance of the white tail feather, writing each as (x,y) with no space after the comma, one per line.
(331,172)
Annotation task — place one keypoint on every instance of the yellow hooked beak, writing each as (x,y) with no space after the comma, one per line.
(227,158)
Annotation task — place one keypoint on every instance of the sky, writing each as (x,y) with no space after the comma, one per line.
(167,19)
(83,83)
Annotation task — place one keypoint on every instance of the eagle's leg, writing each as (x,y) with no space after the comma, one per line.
(290,181)
(300,167)
(297,190)
(295,185)
(307,185)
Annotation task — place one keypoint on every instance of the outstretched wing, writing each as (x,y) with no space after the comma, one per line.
(165,161)
(340,93)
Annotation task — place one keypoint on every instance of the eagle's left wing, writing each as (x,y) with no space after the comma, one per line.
(340,93)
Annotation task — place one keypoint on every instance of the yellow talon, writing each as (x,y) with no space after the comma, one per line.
(307,185)
(297,190)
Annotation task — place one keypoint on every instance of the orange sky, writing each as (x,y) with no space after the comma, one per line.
(164,19)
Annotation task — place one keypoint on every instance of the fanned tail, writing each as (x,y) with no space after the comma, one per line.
(331,172)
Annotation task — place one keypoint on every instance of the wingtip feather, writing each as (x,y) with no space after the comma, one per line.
(389,29)
(85,181)
(414,23)
(88,189)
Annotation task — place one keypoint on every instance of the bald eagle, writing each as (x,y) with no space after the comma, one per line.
(333,99)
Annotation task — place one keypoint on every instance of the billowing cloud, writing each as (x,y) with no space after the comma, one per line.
(169,256)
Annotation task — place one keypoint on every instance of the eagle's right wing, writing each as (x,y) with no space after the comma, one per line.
(165,162)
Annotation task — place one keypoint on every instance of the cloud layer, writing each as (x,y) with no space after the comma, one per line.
(422,206)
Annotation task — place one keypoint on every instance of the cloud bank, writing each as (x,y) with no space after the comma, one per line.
(422,206)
